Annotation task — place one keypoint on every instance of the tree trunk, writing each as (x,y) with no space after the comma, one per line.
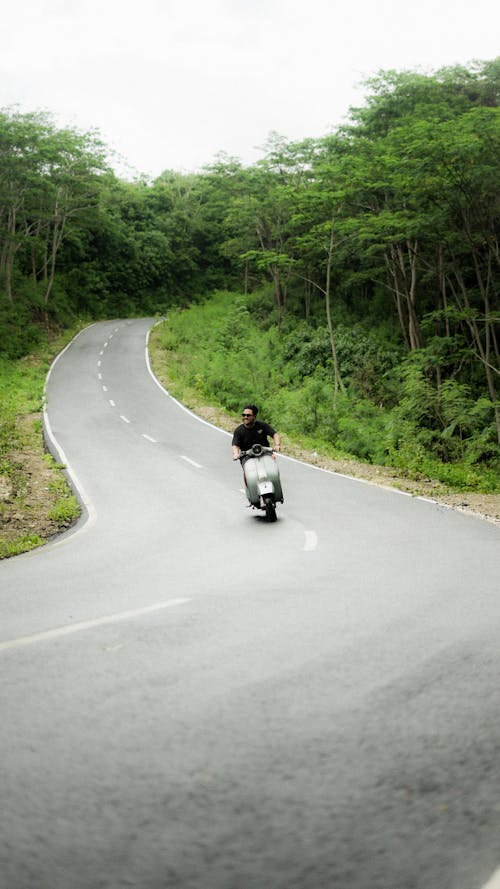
(58,226)
(410,287)
(402,266)
(398,297)
(307,298)
(482,343)
(9,251)
(442,291)
(338,384)
(275,277)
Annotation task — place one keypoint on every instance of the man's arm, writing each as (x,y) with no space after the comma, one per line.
(276,441)
(236,445)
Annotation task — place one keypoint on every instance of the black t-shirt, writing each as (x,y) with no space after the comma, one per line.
(259,433)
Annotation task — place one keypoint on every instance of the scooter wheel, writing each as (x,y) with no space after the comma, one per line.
(270,511)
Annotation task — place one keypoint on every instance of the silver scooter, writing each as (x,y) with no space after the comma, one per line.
(262,479)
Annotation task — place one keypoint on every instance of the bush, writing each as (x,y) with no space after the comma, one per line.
(362,429)
(20,334)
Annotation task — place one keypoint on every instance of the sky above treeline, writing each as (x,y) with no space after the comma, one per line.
(170,84)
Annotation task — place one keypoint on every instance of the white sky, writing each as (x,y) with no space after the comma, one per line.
(170,83)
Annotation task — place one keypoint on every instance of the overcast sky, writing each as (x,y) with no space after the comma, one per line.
(171,83)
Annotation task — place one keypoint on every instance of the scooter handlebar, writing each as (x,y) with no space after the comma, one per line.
(256,450)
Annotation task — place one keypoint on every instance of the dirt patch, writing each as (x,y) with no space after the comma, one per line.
(31,486)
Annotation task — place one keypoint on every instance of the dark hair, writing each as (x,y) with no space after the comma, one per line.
(251,407)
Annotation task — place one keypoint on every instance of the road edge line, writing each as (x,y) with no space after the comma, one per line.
(89,515)
(81,626)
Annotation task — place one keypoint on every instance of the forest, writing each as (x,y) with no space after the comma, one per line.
(348,284)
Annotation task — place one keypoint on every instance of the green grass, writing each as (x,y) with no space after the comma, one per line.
(22,544)
(21,396)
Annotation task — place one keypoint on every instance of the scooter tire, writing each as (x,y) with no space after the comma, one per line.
(270,510)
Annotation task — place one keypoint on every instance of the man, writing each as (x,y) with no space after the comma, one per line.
(253,431)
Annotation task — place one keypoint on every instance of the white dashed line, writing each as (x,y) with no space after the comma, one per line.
(112,403)
(125,420)
(88,624)
(192,462)
(104,388)
(149,438)
(99,376)
(99,363)
(311,541)
(494,882)
(105,346)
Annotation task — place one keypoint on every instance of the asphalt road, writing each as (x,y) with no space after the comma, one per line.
(192,698)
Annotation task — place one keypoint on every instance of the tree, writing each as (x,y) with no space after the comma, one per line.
(48,184)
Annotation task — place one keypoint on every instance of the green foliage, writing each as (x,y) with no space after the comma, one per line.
(21,545)
(21,392)
(305,410)
(19,334)
(221,349)
(8,431)
(362,429)
(21,396)
(66,509)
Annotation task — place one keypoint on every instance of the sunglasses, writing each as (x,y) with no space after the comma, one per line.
(247,415)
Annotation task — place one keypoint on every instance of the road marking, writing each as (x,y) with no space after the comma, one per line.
(101,352)
(171,397)
(311,541)
(149,438)
(104,388)
(99,363)
(57,451)
(67,630)
(494,882)
(125,420)
(99,376)
(192,462)
(105,346)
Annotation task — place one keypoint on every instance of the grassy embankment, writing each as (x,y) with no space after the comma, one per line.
(35,500)
(214,364)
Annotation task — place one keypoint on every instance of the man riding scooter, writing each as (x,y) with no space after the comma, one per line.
(261,476)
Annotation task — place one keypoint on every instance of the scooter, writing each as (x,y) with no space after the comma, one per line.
(262,479)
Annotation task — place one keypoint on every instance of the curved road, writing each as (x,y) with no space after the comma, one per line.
(192,698)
